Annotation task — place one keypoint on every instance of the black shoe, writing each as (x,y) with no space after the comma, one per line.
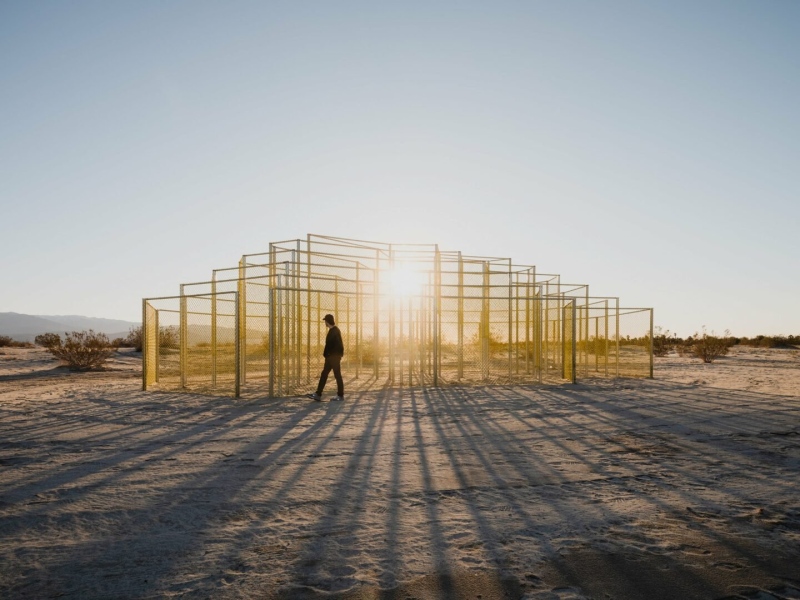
(314,396)
(337,399)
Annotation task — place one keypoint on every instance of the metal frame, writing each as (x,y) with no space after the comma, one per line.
(468,319)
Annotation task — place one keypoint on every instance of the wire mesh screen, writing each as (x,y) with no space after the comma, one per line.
(190,343)
(634,352)
(409,315)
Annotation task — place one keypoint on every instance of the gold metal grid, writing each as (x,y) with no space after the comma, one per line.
(409,315)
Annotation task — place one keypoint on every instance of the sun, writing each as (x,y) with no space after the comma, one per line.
(405,281)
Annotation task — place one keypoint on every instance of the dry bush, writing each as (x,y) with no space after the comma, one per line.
(772,341)
(135,338)
(48,340)
(83,350)
(662,343)
(8,342)
(168,337)
(708,346)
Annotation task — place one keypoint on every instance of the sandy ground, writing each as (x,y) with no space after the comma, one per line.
(686,486)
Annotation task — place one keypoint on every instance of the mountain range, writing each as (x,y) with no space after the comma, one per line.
(24,328)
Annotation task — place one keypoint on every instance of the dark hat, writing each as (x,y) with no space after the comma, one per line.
(329,319)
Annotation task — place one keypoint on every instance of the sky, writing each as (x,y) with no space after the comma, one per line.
(648,149)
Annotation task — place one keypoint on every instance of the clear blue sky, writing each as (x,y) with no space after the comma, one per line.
(649,149)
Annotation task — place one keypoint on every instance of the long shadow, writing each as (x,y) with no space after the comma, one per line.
(512,444)
(343,508)
(169,503)
(686,477)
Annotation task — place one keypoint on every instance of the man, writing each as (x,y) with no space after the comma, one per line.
(333,352)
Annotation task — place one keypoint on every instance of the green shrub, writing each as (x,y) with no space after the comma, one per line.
(83,350)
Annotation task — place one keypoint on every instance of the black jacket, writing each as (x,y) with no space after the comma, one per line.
(333,343)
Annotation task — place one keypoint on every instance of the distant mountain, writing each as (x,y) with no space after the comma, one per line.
(26,327)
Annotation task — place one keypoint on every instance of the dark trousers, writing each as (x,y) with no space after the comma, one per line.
(332,363)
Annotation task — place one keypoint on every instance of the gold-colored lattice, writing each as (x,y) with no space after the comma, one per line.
(409,315)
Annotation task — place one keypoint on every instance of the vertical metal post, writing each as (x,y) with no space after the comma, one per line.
(585,333)
(412,342)
(359,319)
(295,317)
(272,335)
(214,328)
(336,297)
(376,291)
(605,342)
(279,335)
(516,323)
(528,292)
(183,339)
(545,329)
(510,342)
(437,316)
(540,330)
(145,345)
(391,319)
(617,337)
(596,344)
(460,317)
(308,303)
(291,319)
(242,297)
(485,327)
(273,318)
(652,343)
(563,341)
(237,357)
(574,343)
(400,342)
(157,342)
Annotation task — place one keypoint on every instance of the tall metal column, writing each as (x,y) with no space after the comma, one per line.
(237,385)
(437,316)
(242,297)
(308,309)
(213,329)
(651,343)
(460,317)
(183,338)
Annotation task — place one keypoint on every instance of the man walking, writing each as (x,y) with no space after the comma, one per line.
(333,352)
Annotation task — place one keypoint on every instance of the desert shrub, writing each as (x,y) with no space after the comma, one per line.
(135,338)
(662,343)
(48,340)
(118,343)
(168,337)
(684,348)
(771,341)
(83,350)
(9,342)
(367,352)
(708,346)
(594,345)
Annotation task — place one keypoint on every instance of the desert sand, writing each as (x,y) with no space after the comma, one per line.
(685,486)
